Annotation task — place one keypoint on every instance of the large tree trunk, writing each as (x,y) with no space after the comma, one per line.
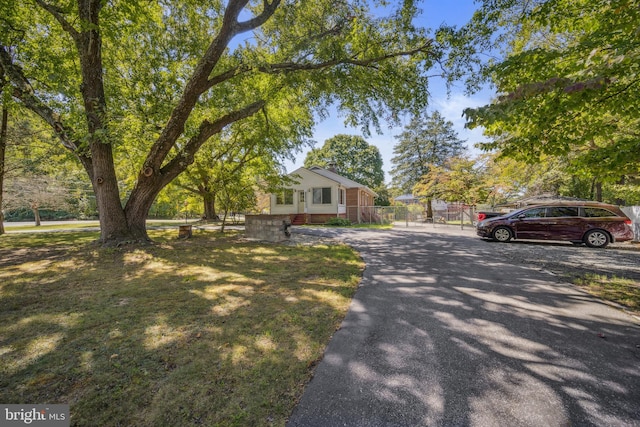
(618,200)
(36,214)
(145,192)
(429,210)
(113,223)
(3,148)
(596,190)
(209,200)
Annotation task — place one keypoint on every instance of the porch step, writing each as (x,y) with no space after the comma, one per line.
(299,219)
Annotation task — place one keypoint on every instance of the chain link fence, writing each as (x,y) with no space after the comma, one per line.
(411,214)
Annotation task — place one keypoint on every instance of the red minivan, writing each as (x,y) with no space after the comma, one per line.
(594,224)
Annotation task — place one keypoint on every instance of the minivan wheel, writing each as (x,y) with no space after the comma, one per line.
(596,239)
(502,234)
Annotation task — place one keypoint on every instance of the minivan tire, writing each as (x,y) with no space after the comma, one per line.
(502,234)
(597,239)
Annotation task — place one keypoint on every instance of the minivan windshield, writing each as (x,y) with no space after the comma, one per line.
(516,213)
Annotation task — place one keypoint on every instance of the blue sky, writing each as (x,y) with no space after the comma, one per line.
(435,12)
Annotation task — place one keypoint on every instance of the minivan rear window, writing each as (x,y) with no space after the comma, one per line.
(597,213)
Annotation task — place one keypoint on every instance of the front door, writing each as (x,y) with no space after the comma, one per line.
(301,201)
(531,224)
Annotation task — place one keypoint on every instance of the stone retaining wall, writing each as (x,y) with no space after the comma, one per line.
(271,228)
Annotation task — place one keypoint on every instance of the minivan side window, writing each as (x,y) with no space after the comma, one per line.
(558,211)
(597,213)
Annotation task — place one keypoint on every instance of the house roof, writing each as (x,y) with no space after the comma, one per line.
(345,182)
(406,198)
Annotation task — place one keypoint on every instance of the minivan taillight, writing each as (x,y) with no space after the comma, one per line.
(627,221)
(481,216)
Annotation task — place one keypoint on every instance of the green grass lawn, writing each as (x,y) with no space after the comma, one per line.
(66,225)
(213,330)
(49,227)
(622,291)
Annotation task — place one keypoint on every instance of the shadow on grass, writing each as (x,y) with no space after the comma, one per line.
(211,330)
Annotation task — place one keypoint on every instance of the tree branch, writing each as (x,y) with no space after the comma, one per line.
(57,13)
(207,129)
(285,67)
(291,66)
(23,91)
(267,11)
(227,75)
(199,81)
(187,187)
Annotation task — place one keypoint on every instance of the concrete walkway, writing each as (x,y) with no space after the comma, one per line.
(443,333)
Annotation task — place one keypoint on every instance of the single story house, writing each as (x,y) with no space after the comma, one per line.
(320,194)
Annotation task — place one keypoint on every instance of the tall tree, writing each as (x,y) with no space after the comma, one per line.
(569,82)
(4,124)
(426,142)
(157,80)
(4,118)
(352,157)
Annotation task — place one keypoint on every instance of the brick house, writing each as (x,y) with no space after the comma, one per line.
(320,194)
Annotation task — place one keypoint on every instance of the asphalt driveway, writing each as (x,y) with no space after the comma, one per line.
(449,330)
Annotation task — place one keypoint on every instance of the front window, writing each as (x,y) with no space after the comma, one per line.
(285,197)
(322,196)
(533,213)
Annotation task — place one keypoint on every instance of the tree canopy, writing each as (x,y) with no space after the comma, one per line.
(136,88)
(352,157)
(457,180)
(568,83)
(235,161)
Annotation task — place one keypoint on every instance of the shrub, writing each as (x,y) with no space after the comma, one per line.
(25,214)
(340,222)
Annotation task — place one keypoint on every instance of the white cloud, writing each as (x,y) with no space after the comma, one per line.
(452,109)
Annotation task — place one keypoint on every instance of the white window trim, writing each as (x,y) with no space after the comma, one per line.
(322,202)
(284,198)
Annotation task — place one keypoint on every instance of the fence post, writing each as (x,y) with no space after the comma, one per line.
(406,216)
